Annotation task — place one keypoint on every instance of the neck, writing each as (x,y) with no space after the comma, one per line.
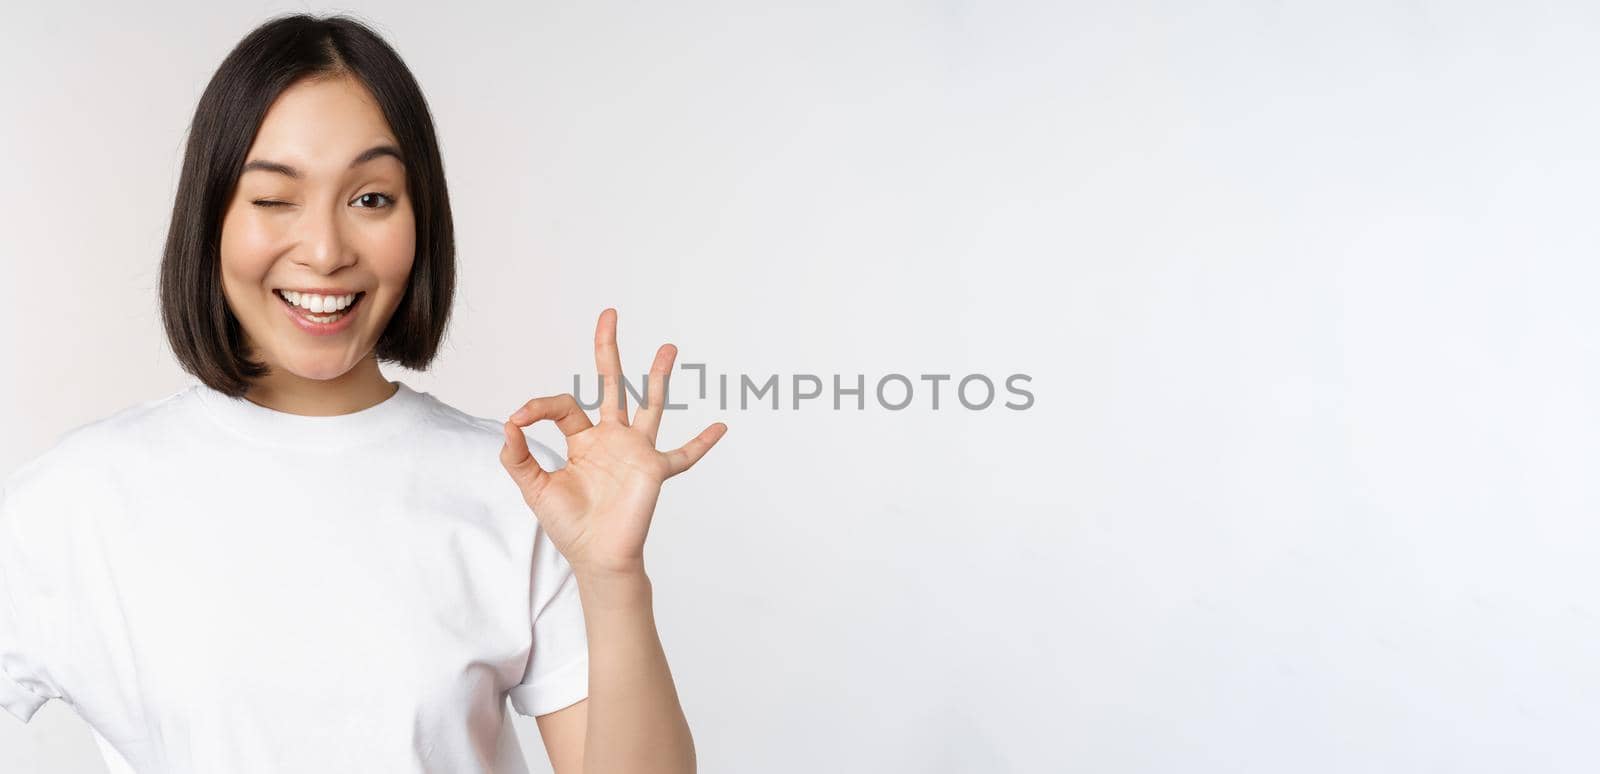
(363,386)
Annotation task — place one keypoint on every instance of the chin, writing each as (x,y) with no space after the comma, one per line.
(320,372)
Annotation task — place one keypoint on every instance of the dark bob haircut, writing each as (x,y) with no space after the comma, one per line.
(204,333)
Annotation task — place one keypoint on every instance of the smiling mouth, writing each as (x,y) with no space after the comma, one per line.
(323,318)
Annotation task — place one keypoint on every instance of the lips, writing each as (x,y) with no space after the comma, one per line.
(302,317)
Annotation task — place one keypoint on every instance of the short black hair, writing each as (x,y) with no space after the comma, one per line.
(203,332)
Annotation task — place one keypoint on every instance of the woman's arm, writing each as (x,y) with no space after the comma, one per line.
(632,721)
(597,510)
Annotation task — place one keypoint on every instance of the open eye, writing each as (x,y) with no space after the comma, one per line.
(385,196)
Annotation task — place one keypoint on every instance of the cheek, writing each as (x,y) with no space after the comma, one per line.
(393,247)
(247,248)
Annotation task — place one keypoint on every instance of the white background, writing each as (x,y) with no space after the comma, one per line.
(1306,292)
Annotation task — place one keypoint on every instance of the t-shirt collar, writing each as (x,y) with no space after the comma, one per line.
(256,422)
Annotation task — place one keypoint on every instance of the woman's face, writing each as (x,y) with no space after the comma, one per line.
(321,212)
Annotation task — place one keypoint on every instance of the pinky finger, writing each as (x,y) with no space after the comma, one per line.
(685,456)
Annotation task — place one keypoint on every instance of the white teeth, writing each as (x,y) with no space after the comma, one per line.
(316,303)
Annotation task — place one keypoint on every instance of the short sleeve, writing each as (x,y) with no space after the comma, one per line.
(558,666)
(25,684)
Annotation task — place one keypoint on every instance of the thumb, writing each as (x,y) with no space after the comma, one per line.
(518,461)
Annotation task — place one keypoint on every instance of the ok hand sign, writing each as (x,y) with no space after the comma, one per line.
(597,509)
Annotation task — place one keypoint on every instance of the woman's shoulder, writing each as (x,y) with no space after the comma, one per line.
(77,470)
(484,431)
(85,446)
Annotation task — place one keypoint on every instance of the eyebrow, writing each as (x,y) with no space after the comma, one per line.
(369,154)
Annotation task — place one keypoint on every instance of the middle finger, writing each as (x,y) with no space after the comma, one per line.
(613,396)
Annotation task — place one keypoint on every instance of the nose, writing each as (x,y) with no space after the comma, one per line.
(324,248)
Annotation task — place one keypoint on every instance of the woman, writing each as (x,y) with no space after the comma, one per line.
(295,564)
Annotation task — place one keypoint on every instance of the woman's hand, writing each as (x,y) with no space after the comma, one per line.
(597,509)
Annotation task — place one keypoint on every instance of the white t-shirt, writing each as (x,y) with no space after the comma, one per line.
(216,586)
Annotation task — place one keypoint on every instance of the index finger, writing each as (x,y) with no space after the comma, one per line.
(563,408)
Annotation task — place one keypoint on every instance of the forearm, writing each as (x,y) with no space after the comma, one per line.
(634,721)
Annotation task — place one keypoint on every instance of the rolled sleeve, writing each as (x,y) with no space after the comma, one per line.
(558,665)
(17,699)
(25,685)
